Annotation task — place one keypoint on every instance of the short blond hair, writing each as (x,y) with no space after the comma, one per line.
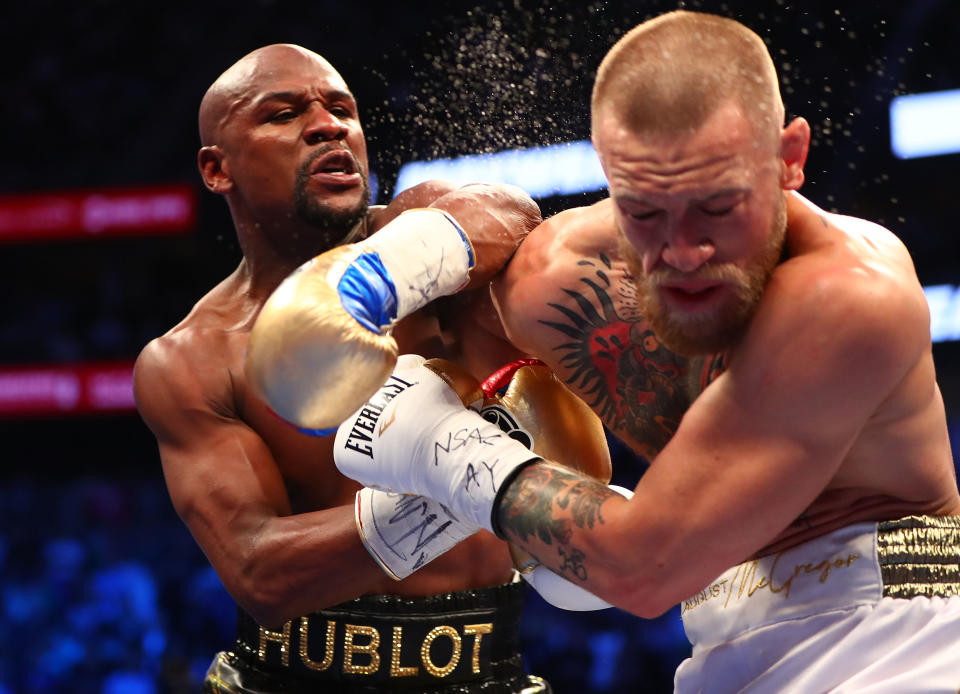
(669,74)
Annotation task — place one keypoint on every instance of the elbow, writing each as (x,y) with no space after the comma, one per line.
(513,207)
(641,585)
(260,590)
(638,594)
(523,211)
(263,600)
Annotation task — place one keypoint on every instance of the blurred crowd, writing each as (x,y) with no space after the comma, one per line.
(103,591)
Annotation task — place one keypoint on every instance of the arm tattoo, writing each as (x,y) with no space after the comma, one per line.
(615,362)
(549,503)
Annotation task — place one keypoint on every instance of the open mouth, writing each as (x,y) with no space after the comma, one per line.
(337,167)
(690,295)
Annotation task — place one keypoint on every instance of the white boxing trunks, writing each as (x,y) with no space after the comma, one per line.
(870,608)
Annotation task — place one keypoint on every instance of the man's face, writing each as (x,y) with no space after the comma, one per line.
(294,146)
(702,221)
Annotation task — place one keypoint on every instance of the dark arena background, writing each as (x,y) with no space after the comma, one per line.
(107,238)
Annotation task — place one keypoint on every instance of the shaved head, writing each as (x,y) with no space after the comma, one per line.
(229,88)
(669,74)
(281,139)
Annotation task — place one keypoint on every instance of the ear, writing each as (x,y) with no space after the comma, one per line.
(794,145)
(214,169)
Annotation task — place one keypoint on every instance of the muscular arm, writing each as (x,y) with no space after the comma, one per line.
(473,333)
(824,351)
(228,490)
(495,217)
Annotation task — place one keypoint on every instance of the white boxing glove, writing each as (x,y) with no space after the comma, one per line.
(321,344)
(403,532)
(415,436)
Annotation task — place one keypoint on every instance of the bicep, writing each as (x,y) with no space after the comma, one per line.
(221,477)
(217,469)
(420,195)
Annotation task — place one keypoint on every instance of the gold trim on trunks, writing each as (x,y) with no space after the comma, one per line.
(305,640)
(434,634)
(280,637)
(919,555)
(371,648)
(396,669)
(477,630)
(349,648)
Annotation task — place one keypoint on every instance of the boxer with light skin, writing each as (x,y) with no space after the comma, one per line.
(282,142)
(773,363)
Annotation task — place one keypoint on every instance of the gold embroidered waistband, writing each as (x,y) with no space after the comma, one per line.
(919,555)
(414,643)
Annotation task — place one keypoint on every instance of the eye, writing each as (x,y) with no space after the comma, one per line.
(718,212)
(341,111)
(721,205)
(644,216)
(284,115)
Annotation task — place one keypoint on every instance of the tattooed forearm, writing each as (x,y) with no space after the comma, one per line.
(548,504)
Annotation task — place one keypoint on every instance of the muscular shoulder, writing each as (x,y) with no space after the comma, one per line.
(557,255)
(187,370)
(847,304)
(853,273)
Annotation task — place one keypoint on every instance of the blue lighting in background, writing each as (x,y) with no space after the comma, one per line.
(944,302)
(924,125)
(562,169)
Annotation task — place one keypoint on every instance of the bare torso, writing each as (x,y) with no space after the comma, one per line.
(264,501)
(568,299)
(218,329)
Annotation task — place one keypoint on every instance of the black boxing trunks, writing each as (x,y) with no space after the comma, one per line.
(452,643)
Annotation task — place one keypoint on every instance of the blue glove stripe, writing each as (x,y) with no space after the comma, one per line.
(317,432)
(471,260)
(367,292)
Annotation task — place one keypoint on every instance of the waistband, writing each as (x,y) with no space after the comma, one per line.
(853,566)
(410,643)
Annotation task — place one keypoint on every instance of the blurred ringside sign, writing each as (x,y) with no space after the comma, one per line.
(96,213)
(66,389)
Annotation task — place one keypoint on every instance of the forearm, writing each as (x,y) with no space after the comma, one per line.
(291,565)
(576,526)
(495,218)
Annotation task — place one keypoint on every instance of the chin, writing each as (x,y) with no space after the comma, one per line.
(340,218)
(700,338)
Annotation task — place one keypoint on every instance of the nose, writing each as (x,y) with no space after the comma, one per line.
(686,254)
(323,126)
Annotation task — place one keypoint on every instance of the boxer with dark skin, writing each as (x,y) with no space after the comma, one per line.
(282,142)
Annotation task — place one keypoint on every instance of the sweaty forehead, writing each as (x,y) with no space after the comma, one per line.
(724,152)
(287,68)
(276,68)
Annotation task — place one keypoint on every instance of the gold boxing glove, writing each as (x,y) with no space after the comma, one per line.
(536,409)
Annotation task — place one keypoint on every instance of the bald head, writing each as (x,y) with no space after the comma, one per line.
(668,75)
(241,78)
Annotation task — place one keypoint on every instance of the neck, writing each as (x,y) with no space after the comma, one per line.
(269,256)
